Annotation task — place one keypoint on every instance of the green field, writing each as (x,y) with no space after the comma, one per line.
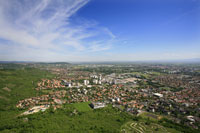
(141,74)
(82,107)
(151,116)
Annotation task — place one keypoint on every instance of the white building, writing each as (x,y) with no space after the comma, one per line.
(95,81)
(158,94)
(113,100)
(96,105)
(100,77)
(69,85)
(191,118)
(94,76)
(118,99)
(86,82)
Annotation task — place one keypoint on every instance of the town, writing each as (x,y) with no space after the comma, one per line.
(168,90)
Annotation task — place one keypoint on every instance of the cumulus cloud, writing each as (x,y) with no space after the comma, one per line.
(41,30)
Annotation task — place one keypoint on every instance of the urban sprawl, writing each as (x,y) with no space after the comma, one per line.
(171,90)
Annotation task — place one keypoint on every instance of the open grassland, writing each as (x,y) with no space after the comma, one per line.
(151,116)
(141,74)
(82,107)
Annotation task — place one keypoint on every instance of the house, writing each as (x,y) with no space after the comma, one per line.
(96,105)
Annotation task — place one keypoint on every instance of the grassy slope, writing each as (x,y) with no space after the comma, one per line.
(21,86)
(63,120)
(82,107)
(107,119)
(142,126)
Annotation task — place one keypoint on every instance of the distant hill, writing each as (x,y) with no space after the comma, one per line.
(197,60)
(8,62)
(58,63)
(54,63)
(16,62)
(193,60)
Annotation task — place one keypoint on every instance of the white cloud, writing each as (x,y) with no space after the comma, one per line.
(40,30)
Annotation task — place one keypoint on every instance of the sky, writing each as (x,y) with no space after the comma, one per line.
(99,30)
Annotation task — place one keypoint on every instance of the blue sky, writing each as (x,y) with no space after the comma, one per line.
(99,30)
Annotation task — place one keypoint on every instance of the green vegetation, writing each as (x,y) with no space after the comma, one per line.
(166,88)
(179,127)
(155,73)
(66,120)
(174,89)
(148,123)
(82,107)
(79,118)
(47,91)
(150,116)
(143,75)
(141,127)
(20,84)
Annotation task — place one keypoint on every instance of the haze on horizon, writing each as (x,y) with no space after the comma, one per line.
(99,30)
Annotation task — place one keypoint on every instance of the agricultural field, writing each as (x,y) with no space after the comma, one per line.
(145,127)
